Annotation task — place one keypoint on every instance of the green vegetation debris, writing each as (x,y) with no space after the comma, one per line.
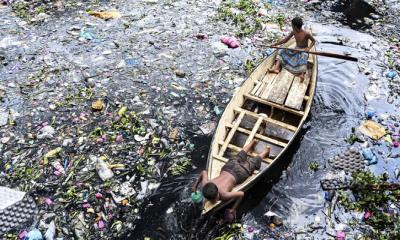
(386,225)
(313,166)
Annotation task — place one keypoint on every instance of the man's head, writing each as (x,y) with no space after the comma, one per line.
(297,23)
(210,191)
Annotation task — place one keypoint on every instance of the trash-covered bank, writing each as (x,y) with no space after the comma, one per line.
(100,104)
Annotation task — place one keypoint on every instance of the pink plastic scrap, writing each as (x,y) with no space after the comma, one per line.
(230,41)
(340,235)
(101,224)
(367,215)
(48,201)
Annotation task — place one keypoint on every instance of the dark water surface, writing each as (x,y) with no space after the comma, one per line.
(342,96)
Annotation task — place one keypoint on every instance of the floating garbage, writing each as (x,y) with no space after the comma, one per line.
(46,132)
(102,168)
(372,129)
(196,197)
(391,74)
(369,156)
(340,235)
(97,105)
(230,41)
(51,231)
(34,234)
(106,15)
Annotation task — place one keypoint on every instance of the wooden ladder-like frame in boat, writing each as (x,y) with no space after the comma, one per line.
(251,134)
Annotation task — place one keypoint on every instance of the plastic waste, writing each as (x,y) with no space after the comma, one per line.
(268,52)
(46,132)
(370,114)
(230,41)
(87,34)
(369,156)
(122,111)
(34,234)
(249,233)
(102,168)
(217,110)
(51,231)
(372,129)
(367,215)
(131,62)
(197,197)
(106,15)
(340,235)
(208,128)
(391,74)
(100,224)
(328,195)
(51,154)
(97,105)
(22,234)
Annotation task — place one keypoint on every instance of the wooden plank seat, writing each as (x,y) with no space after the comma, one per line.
(266,82)
(298,91)
(280,87)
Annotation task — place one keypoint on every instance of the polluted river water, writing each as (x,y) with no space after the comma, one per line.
(169,70)
(293,193)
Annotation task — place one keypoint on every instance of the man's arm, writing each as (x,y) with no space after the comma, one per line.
(285,40)
(233,195)
(202,178)
(309,36)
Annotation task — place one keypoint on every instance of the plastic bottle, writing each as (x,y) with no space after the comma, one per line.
(197,197)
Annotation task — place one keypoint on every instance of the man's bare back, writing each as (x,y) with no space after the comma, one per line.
(223,184)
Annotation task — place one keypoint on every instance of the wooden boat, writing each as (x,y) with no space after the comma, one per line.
(280,102)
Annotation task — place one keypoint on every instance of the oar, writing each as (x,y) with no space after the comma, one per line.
(325,54)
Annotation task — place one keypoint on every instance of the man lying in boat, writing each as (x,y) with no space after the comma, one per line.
(233,173)
(294,61)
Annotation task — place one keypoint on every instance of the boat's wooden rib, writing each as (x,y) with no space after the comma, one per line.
(231,133)
(261,137)
(252,154)
(254,131)
(280,102)
(269,120)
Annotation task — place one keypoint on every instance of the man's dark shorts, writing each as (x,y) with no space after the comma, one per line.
(241,166)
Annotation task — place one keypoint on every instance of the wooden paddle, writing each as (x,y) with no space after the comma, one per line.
(325,54)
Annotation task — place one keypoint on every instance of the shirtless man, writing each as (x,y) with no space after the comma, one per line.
(294,61)
(234,172)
